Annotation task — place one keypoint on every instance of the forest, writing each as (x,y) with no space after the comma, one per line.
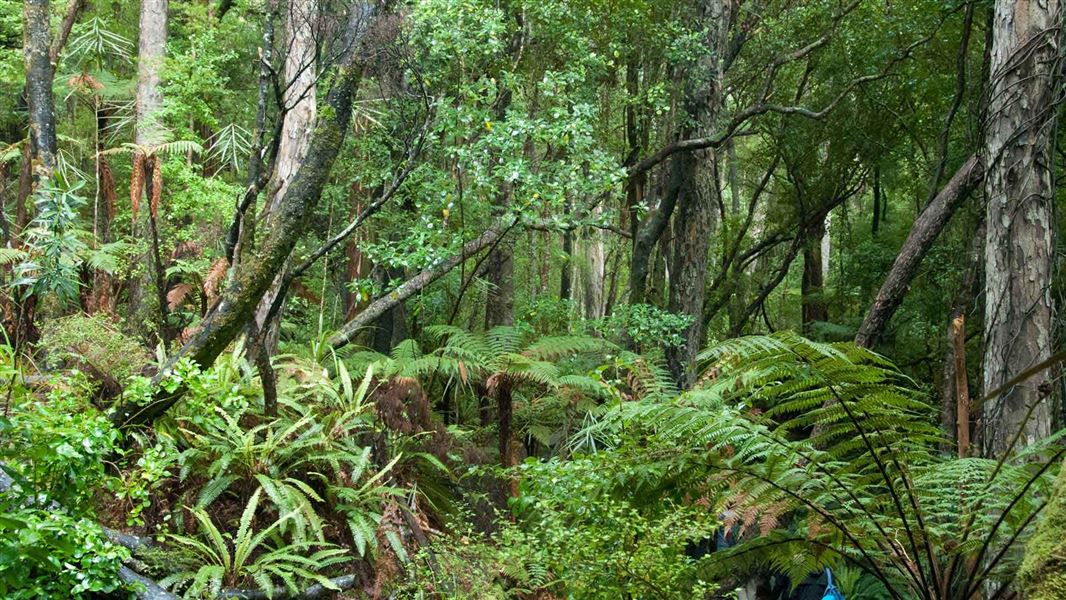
(532,299)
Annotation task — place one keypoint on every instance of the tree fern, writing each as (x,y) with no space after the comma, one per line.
(832,451)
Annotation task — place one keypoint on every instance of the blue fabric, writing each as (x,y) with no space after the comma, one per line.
(831,591)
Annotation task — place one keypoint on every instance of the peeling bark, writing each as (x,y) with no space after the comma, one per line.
(300,79)
(1020,192)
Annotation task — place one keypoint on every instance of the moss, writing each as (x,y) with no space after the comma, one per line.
(1043,571)
(92,342)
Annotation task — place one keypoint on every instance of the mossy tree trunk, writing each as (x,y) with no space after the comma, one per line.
(283,228)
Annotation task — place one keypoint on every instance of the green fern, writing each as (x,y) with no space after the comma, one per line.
(827,455)
(249,555)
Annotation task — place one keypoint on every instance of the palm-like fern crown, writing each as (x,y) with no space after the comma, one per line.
(502,351)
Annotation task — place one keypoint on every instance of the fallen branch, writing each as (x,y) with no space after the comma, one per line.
(344,582)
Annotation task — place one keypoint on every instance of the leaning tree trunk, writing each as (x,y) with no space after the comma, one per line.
(1019,218)
(926,229)
(284,227)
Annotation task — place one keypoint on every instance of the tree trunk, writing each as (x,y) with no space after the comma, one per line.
(811,288)
(102,297)
(300,76)
(43,147)
(926,229)
(149,132)
(955,394)
(566,276)
(39,100)
(592,274)
(649,234)
(1019,217)
(413,285)
(499,302)
(694,221)
(285,226)
(875,223)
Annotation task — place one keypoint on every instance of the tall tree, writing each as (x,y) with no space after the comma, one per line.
(1019,190)
(699,190)
(146,177)
(283,227)
(300,109)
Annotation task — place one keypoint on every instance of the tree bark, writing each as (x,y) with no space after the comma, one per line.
(300,78)
(566,275)
(40,161)
(284,227)
(1019,218)
(39,99)
(926,229)
(151,55)
(648,235)
(694,221)
(813,307)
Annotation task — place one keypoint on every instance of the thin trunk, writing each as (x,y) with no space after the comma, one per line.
(955,387)
(565,279)
(924,232)
(65,27)
(813,283)
(102,296)
(149,132)
(875,224)
(1020,221)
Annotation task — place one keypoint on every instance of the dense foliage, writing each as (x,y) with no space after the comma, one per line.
(516,299)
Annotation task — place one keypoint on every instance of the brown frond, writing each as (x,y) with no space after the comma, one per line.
(176,296)
(157,186)
(214,278)
(403,405)
(137,184)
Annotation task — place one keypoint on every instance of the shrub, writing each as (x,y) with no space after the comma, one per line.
(47,554)
(92,342)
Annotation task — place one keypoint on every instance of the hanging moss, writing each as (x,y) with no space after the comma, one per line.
(1043,572)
